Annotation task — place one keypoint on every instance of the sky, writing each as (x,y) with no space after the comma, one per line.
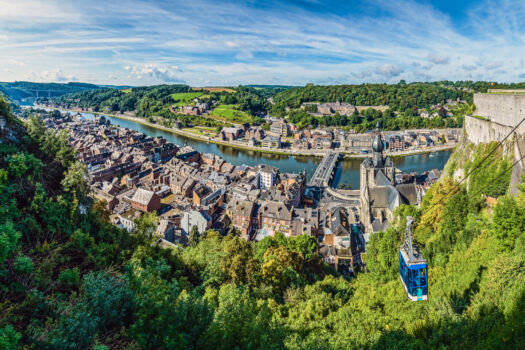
(227,43)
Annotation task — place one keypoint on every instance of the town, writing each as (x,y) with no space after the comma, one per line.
(191,192)
(277,135)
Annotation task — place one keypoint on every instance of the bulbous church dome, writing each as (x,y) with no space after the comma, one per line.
(377,144)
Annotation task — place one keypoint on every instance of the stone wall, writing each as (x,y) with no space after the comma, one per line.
(484,131)
(506,108)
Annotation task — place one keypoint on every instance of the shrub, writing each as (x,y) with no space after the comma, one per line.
(108,298)
(23,264)
(9,338)
(70,277)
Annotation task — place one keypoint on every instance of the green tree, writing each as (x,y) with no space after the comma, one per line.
(194,237)
(75,181)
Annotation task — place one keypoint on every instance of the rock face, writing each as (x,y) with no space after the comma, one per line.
(519,168)
(10,130)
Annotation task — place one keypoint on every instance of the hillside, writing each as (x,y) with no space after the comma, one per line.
(158,103)
(24,91)
(71,280)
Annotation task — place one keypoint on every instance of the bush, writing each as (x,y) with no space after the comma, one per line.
(70,277)
(23,264)
(75,330)
(9,338)
(108,298)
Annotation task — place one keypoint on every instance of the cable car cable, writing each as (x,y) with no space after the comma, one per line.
(500,175)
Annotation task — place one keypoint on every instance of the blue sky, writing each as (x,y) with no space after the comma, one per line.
(261,42)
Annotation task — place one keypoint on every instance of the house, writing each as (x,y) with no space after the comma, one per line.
(280,128)
(166,229)
(127,219)
(358,143)
(300,144)
(339,244)
(256,133)
(231,133)
(199,193)
(200,219)
(267,176)
(243,218)
(336,107)
(190,110)
(145,200)
(271,142)
(275,217)
(396,143)
(181,185)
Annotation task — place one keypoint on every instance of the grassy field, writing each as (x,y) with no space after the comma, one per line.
(202,131)
(126,91)
(213,89)
(183,98)
(232,114)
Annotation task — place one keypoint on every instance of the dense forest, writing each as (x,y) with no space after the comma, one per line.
(71,280)
(405,102)
(401,97)
(388,119)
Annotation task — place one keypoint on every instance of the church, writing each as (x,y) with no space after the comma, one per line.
(379,192)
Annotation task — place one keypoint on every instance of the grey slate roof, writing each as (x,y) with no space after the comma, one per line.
(142,196)
(381,179)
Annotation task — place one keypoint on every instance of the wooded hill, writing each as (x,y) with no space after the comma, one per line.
(19,90)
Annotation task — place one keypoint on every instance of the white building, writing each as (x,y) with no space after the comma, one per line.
(267,177)
(201,219)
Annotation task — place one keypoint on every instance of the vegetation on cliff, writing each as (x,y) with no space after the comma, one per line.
(71,280)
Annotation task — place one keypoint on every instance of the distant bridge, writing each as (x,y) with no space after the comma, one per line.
(325,171)
(42,93)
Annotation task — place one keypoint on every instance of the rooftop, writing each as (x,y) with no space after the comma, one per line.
(142,196)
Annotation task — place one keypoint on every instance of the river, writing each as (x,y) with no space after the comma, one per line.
(347,172)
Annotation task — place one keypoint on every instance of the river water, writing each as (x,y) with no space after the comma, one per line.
(347,172)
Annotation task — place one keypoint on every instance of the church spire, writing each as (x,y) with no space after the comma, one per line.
(377,147)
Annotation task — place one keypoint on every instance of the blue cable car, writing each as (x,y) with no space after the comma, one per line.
(413,268)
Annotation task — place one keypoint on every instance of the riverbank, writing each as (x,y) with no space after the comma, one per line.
(241,146)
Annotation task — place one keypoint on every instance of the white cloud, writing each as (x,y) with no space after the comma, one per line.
(155,72)
(389,70)
(17,63)
(438,59)
(230,43)
(468,67)
(362,74)
(55,75)
(493,65)
(422,76)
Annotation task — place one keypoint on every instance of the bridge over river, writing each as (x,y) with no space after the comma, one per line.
(323,175)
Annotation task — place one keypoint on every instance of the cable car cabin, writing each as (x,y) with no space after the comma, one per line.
(413,269)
